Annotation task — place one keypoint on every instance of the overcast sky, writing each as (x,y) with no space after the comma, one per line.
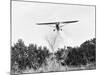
(25,15)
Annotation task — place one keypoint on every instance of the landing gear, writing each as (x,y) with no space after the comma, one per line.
(54,30)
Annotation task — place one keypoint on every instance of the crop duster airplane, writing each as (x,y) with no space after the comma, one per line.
(57,24)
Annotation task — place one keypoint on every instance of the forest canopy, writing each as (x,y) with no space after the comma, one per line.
(34,56)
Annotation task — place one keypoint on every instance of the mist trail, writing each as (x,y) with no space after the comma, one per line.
(53,40)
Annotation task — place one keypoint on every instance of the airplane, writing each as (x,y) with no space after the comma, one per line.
(57,24)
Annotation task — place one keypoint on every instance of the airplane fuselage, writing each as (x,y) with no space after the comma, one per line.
(57,26)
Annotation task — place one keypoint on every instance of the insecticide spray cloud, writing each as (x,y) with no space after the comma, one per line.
(54,39)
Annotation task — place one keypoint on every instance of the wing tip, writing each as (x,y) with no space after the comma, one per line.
(77,20)
(38,24)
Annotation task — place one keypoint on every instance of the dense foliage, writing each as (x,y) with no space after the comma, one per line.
(77,56)
(34,56)
(31,56)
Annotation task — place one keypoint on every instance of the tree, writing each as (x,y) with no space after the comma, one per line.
(76,56)
(19,54)
(89,48)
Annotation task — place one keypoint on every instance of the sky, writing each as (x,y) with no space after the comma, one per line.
(25,15)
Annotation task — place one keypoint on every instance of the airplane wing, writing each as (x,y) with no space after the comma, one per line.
(56,22)
(62,25)
(69,21)
(46,23)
